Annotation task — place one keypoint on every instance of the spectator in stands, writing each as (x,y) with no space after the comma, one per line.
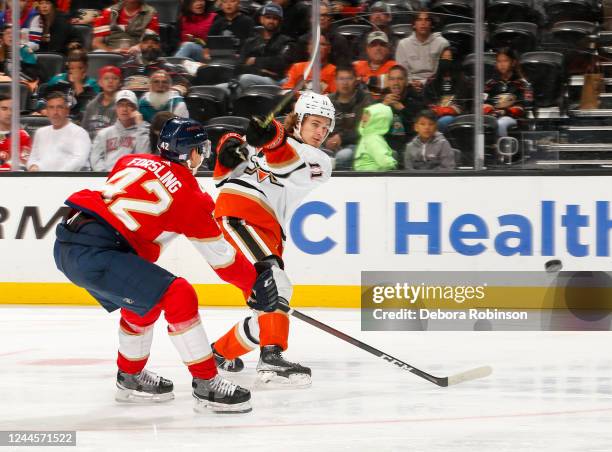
(161,98)
(30,71)
(101,111)
(349,101)
(373,153)
(231,22)
(196,23)
(374,69)
(429,150)
(147,60)
(62,146)
(129,134)
(75,82)
(121,27)
(265,57)
(157,124)
(380,18)
(27,13)
(296,15)
(51,30)
(25,144)
(327,74)
(507,93)
(340,52)
(405,102)
(85,12)
(446,93)
(419,53)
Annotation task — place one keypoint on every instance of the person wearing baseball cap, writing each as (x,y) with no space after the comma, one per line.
(100,112)
(128,135)
(380,17)
(266,56)
(374,69)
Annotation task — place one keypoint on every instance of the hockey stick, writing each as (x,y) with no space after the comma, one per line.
(298,86)
(472,374)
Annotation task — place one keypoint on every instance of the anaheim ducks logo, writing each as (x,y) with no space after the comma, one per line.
(262,174)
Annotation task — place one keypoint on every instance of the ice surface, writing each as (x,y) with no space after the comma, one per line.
(548,392)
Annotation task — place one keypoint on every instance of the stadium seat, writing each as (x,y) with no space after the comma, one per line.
(257,100)
(167,10)
(401,30)
(86,34)
(453,11)
(460,36)
(206,102)
(52,64)
(216,127)
(98,60)
(575,39)
(545,71)
(564,10)
(460,134)
(32,123)
(501,11)
(169,36)
(24,94)
(222,46)
(214,73)
(354,33)
(520,36)
(489,63)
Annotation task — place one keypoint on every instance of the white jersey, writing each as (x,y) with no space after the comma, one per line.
(270,186)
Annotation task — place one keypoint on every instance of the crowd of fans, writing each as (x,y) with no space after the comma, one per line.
(394,98)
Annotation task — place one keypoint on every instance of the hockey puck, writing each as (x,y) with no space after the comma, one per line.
(553,266)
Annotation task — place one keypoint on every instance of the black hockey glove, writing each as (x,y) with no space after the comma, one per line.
(233,152)
(265,295)
(269,137)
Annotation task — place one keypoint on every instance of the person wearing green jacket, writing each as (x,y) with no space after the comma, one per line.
(373,153)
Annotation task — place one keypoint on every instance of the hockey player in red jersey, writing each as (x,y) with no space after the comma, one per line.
(262,181)
(113,236)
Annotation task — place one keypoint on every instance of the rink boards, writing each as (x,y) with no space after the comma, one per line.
(350,225)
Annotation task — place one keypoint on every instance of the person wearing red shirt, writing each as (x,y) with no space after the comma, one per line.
(195,25)
(374,70)
(25,143)
(328,70)
(110,241)
(121,27)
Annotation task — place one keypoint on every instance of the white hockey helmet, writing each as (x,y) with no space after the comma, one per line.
(311,103)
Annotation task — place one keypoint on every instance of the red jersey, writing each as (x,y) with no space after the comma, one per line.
(25,146)
(102,24)
(150,201)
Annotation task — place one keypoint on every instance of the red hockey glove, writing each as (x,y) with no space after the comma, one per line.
(488,109)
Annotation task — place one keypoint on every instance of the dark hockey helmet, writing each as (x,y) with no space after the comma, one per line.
(179,136)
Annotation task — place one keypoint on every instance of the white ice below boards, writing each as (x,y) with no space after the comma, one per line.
(549,391)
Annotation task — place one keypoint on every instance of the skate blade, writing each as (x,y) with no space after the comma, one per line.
(271,380)
(206,406)
(132,396)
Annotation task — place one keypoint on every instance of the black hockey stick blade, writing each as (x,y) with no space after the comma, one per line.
(468,375)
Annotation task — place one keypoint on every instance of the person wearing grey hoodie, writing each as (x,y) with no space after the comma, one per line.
(429,150)
(419,53)
(129,134)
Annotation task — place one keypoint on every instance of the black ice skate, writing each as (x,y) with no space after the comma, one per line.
(228,365)
(274,370)
(144,387)
(220,396)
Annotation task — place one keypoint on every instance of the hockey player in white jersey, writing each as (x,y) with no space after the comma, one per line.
(262,180)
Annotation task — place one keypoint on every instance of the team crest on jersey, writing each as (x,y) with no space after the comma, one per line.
(263,174)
